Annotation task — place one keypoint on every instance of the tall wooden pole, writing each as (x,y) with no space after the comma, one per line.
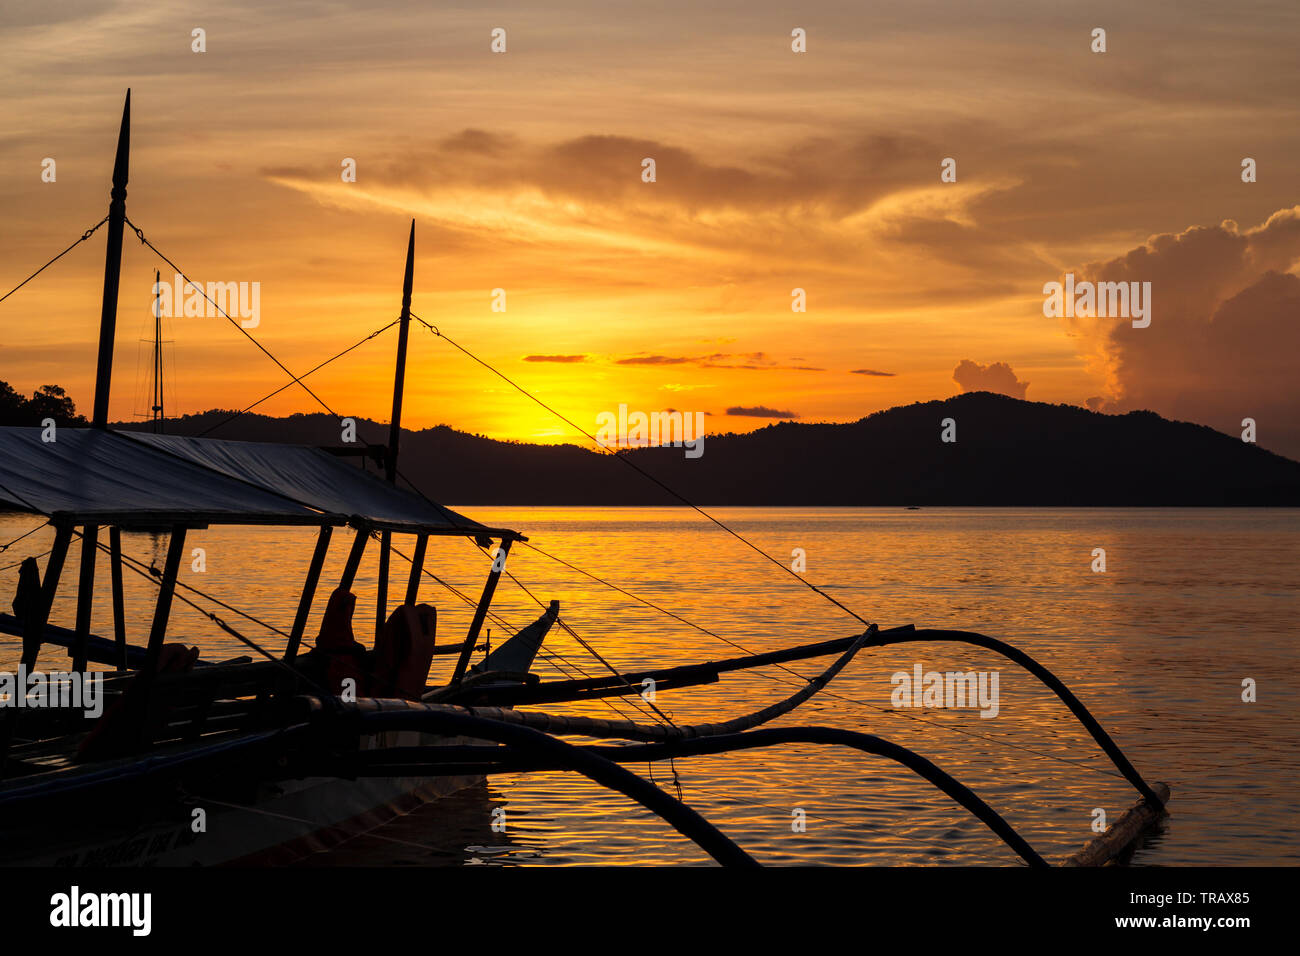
(85,594)
(39,615)
(354,556)
(417,568)
(308,592)
(480,612)
(166,589)
(395,427)
(399,378)
(112,269)
(119,601)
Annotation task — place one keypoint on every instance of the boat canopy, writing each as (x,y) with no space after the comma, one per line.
(94,476)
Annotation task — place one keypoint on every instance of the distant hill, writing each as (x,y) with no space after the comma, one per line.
(1008,452)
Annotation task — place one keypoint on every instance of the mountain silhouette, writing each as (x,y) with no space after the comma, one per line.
(1007,452)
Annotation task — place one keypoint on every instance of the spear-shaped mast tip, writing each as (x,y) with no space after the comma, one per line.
(112,268)
(399,378)
(409,278)
(121,161)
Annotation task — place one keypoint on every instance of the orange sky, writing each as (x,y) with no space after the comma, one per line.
(775,170)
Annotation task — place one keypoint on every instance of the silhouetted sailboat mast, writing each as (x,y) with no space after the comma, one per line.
(112,268)
(394,438)
(156,410)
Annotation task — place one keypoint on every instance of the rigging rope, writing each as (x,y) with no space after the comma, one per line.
(6,547)
(19,564)
(84,236)
(633,465)
(152,574)
(574,634)
(295,379)
(594,727)
(290,384)
(672,765)
(493,615)
(247,641)
(243,331)
(849,700)
(677,783)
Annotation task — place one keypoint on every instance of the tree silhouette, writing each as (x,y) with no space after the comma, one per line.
(48,401)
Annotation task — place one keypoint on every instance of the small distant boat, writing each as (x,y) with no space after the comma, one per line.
(285,753)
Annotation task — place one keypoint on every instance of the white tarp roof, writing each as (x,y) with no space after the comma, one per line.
(128,477)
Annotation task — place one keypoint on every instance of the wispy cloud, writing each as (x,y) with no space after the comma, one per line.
(752,361)
(654,360)
(759,411)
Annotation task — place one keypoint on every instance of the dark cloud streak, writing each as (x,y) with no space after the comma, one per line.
(759,411)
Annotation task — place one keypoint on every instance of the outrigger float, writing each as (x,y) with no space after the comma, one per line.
(286,753)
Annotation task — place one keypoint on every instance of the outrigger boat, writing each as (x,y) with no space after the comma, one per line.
(279,756)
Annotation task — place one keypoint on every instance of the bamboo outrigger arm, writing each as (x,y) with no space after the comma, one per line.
(1122,835)
(670,741)
(707,673)
(1053,682)
(458,760)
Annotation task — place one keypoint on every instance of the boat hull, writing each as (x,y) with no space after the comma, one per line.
(276,823)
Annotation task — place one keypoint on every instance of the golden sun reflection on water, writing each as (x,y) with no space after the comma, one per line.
(1191,603)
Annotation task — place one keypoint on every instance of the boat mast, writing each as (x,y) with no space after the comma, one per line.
(112,269)
(103,373)
(157,356)
(399,377)
(395,430)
